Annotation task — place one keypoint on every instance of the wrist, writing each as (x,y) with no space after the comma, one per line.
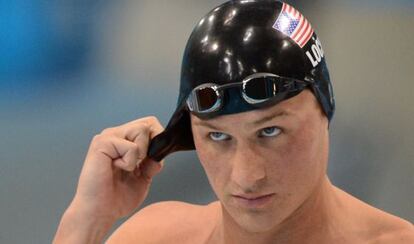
(79,225)
(82,211)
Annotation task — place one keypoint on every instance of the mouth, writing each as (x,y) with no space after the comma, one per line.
(253,201)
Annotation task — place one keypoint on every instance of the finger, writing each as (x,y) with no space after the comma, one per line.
(146,128)
(142,140)
(134,128)
(123,153)
(149,168)
(141,131)
(138,134)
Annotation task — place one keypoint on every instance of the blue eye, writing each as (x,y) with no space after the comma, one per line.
(218,136)
(270,131)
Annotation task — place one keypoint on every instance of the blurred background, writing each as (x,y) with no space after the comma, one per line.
(70,68)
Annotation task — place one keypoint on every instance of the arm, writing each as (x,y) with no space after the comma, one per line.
(78,227)
(114,181)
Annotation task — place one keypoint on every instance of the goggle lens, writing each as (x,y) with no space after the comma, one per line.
(206,98)
(260,88)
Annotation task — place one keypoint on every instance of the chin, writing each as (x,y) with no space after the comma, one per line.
(254,220)
(257,222)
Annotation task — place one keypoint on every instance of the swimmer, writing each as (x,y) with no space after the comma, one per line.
(255,102)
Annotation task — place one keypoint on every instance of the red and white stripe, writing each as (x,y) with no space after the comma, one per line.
(303,31)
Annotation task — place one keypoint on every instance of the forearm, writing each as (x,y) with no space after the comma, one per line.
(76,227)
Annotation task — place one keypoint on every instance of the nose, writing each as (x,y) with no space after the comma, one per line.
(248,167)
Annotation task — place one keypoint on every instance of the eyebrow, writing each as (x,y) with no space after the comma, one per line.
(254,123)
(205,124)
(265,119)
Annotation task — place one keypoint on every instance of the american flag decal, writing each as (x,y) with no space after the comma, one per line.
(293,24)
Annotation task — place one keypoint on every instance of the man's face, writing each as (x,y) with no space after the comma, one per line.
(263,164)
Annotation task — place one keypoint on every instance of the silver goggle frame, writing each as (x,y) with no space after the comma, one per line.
(193,104)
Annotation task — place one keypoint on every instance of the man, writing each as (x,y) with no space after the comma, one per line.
(255,102)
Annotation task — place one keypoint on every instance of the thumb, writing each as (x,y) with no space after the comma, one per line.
(148,168)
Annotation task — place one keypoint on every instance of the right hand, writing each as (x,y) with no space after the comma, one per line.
(117,173)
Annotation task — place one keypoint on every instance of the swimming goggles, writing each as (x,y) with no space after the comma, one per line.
(258,89)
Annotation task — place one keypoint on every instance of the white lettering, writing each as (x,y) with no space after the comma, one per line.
(317,53)
(319,45)
(314,63)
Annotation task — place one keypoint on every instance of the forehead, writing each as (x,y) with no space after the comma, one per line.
(297,106)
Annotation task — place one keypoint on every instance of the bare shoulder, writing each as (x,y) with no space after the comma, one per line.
(385,228)
(368,224)
(166,222)
(393,230)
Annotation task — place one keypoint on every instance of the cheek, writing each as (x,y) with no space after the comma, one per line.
(212,161)
(302,159)
(300,149)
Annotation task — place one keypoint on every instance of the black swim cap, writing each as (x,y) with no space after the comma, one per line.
(235,40)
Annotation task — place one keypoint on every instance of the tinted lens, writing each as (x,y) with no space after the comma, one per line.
(261,88)
(206,98)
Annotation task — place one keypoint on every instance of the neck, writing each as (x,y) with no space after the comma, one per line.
(314,221)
